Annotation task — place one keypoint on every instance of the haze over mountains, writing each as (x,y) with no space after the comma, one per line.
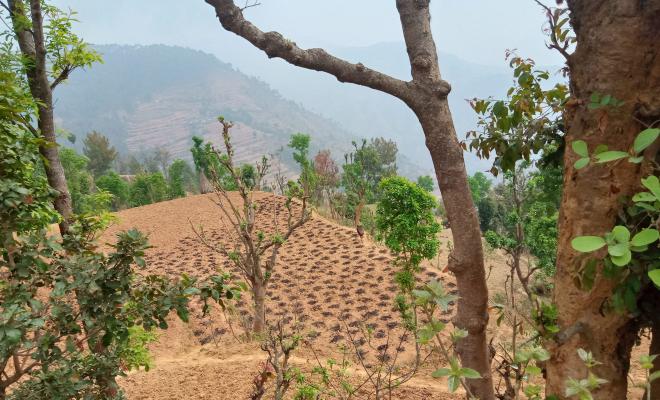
(144,97)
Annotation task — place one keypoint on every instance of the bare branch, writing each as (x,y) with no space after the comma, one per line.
(275,45)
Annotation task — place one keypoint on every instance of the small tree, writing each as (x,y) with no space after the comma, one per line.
(300,144)
(67,309)
(406,224)
(117,187)
(99,152)
(327,172)
(253,252)
(148,189)
(180,179)
(426,183)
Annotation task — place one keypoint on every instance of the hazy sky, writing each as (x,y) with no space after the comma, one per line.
(475,30)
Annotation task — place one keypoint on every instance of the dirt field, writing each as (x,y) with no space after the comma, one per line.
(326,278)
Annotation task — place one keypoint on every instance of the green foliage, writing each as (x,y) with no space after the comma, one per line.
(632,257)
(208,162)
(527,122)
(426,182)
(181,179)
(602,154)
(405,220)
(78,179)
(134,352)
(65,50)
(455,373)
(480,187)
(117,187)
(300,144)
(525,214)
(100,154)
(25,193)
(582,388)
(366,166)
(148,189)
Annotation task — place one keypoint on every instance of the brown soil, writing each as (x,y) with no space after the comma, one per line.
(326,278)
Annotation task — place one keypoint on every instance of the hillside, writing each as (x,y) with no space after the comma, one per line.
(325,278)
(372,113)
(145,97)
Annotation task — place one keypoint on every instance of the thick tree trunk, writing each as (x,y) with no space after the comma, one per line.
(259,293)
(466,260)
(32,45)
(616,54)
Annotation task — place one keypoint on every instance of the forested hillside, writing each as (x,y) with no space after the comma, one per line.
(146,97)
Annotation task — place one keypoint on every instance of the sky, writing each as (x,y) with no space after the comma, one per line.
(476,30)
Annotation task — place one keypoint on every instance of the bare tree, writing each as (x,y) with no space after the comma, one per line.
(426,95)
(254,252)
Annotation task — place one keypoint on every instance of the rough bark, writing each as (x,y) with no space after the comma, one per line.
(426,95)
(259,293)
(32,46)
(616,54)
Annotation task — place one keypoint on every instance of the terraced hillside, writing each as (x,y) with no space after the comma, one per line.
(146,97)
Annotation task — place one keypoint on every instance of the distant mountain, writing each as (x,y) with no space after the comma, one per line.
(371,113)
(145,97)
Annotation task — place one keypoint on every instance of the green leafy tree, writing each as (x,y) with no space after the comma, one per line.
(181,179)
(300,144)
(207,163)
(364,168)
(100,154)
(117,187)
(49,53)
(68,310)
(85,196)
(148,189)
(480,187)
(426,182)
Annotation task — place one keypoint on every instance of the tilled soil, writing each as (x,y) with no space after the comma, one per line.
(327,279)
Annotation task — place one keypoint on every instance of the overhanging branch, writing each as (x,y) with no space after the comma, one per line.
(275,45)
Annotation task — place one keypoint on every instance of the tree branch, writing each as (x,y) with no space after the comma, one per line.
(275,45)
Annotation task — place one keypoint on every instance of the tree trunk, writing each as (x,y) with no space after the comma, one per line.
(259,293)
(616,54)
(33,48)
(466,259)
(654,349)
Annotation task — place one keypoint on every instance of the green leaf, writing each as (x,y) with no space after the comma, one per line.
(587,244)
(453,382)
(439,373)
(623,260)
(469,373)
(580,148)
(621,234)
(581,163)
(645,237)
(644,196)
(655,276)
(654,376)
(652,183)
(608,156)
(645,138)
(601,148)
(618,249)
(636,160)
